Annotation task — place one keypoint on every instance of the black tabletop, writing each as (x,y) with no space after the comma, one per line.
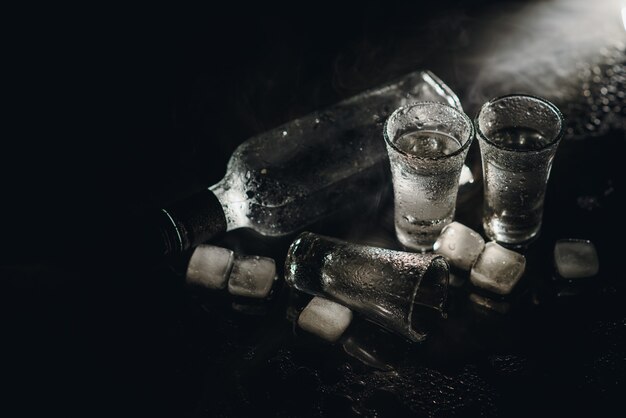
(116,111)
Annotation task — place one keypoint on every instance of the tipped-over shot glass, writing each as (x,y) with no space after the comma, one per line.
(518,137)
(427,144)
(395,289)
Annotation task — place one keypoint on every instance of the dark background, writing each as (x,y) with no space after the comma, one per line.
(114,111)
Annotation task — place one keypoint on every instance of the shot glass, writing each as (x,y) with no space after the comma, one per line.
(427,144)
(398,290)
(518,137)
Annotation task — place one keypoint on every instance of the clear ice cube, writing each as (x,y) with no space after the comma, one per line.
(325,318)
(210,266)
(252,276)
(460,245)
(576,258)
(497,269)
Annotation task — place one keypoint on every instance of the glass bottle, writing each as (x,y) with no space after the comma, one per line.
(283,180)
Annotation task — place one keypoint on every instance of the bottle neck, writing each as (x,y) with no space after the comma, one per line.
(190,222)
(234,204)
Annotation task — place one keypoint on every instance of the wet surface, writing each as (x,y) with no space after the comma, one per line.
(599,96)
(94,338)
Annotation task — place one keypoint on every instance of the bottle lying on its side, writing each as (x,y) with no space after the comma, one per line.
(283,180)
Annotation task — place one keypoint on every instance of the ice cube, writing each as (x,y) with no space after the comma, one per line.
(460,245)
(497,269)
(576,258)
(325,318)
(210,266)
(252,276)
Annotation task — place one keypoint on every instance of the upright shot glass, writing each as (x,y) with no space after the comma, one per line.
(518,137)
(427,144)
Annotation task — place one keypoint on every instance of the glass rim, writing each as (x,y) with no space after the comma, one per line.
(463,147)
(554,141)
(437,262)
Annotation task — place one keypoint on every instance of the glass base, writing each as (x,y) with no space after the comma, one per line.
(410,242)
(510,236)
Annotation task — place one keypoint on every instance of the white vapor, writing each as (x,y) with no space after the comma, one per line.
(536,50)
